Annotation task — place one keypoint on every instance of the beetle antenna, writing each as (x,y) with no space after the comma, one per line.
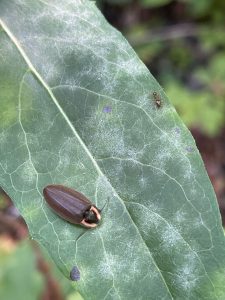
(107,201)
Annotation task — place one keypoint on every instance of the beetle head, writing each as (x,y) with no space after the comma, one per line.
(91,217)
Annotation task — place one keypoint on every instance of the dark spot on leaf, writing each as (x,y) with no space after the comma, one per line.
(107,109)
(177,130)
(75,274)
(189,149)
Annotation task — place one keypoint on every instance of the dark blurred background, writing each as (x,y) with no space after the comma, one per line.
(183,44)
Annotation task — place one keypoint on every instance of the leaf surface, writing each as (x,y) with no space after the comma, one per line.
(77,108)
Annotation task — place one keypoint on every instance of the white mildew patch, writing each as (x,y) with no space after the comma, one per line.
(170,243)
(112,139)
(72,160)
(45,161)
(149,221)
(162,157)
(24,173)
(113,224)
(170,237)
(145,102)
(104,269)
(133,67)
(103,188)
(67,233)
(188,175)
(64,162)
(175,143)
(188,273)
(114,264)
(187,284)
(180,218)
(143,182)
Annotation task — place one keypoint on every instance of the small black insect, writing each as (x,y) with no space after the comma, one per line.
(75,274)
(157,99)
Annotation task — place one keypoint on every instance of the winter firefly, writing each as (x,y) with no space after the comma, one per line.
(157,99)
(72,206)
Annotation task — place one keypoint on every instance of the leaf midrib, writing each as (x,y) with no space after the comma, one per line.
(99,171)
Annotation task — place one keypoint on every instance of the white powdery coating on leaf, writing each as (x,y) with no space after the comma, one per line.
(143,182)
(113,265)
(170,237)
(162,157)
(188,272)
(180,218)
(27,172)
(112,138)
(67,233)
(132,67)
(103,186)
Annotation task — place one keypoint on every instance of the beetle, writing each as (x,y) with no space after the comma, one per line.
(157,99)
(72,206)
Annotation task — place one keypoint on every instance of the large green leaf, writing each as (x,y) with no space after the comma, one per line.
(77,109)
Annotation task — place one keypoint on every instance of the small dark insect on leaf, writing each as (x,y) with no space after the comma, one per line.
(75,274)
(157,99)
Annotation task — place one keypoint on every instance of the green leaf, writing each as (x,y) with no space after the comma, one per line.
(67,290)
(19,278)
(77,108)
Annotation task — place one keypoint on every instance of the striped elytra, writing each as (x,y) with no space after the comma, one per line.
(72,206)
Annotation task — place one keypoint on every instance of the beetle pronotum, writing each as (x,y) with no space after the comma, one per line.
(72,206)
